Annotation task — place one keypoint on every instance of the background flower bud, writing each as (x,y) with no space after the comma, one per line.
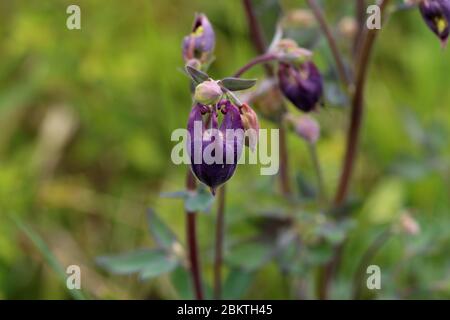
(208,92)
(408,224)
(200,43)
(348,27)
(307,128)
(301,85)
(436,14)
(249,120)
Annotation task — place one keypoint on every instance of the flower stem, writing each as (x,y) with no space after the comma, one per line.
(220,232)
(362,64)
(191,233)
(360,14)
(357,111)
(258,60)
(318,169)
(343,75)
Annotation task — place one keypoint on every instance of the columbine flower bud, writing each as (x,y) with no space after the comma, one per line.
(200,43)
(251,126)
(307,128)
(288,51)
(408,224)
(436,14)
(301,85)
(208,92)
(348,27)
(214,151)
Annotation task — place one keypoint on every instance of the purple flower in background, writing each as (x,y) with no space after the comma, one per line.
(436,14)
(302,85)
(214,151)
(199,45)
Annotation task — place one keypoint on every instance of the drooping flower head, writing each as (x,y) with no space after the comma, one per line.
(302,84)
(199,45)
(436,14)
(215,150)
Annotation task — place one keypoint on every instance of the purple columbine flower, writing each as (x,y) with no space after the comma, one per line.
(199,45)
(302,85)
(214,151)
(436,14)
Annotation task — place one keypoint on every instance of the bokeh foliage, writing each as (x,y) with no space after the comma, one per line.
(85,122)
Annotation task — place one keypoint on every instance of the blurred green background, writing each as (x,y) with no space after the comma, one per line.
(85,123)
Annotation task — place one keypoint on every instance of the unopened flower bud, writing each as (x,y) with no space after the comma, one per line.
(200,43)
(299,18)
(208,92)
(194,63)
(288,50)
(301,85)
(348,27)
(267,99)
(436,14)
(307,128)
(408,224)
(214,151)
(251,126)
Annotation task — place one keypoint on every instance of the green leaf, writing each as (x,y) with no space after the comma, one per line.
(181,280)
(201,200)
(197,75)
(237,84)
(157,267)
(237,283)
(149,263)
(162,234)
(250,256)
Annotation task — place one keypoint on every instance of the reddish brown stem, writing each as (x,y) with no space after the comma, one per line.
(220,233)
(259,59)
(191,233)
(362,64)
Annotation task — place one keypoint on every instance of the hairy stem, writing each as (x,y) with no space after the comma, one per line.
(373,249)
(343,75)
(191,233)
(220,232)
(259,44)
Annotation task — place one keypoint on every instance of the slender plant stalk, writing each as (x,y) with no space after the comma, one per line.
(220,232)
(191,233)
(357,106)
(318,169)
(360,9)
(369,38)
(317,11)
(373,249)
(264,58)
(260,45)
